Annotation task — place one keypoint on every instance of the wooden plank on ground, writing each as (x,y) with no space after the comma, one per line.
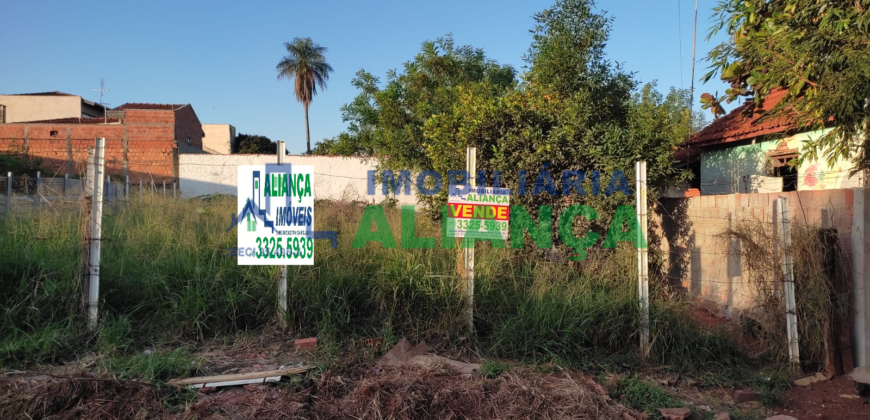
(261,376)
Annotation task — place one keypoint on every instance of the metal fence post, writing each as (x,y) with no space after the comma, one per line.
(164,188)
(65,185)
(174,189)
(152,188)
(127,187)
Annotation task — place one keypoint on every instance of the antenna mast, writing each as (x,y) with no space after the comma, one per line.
(101,90)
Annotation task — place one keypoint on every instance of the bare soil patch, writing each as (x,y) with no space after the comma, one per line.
(431,391)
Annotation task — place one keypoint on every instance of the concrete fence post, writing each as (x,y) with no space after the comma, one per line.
(861,274)
(96,233)
(282,279)
(9,193)
(38,189)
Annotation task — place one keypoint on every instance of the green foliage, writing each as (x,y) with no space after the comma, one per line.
(574,110)
(165,278)
(492,369)
(18,165)
(254,144)
(152,366)
(772,386)
(643,396)
(817,51)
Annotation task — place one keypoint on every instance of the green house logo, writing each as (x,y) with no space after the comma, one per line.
(252,224)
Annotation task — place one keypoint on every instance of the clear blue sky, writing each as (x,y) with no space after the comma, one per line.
(220,56)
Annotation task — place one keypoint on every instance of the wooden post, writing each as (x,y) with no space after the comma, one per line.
(788,282)
(96,232)
(642,258)
(282,280)
(471,168)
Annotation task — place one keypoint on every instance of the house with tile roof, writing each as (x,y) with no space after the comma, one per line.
(748,151)
(46,106)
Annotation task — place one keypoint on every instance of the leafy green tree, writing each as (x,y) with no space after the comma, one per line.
(307,64)
(362,118)
(254,144)
(574,110)
(818,50)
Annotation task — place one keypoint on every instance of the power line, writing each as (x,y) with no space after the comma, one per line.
(694,38)
(680,39)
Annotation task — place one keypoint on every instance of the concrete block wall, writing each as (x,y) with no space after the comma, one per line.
(335,177)
(710,265)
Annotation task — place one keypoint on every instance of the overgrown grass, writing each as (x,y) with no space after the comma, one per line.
(643,396)
(165,278)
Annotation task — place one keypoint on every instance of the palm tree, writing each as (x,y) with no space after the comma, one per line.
(308,65)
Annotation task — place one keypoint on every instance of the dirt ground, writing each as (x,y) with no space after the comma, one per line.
(415,392)
(355,388)
(834,399)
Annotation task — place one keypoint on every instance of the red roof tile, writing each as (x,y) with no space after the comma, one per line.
(164,107)
(736,126)
(55,93)
(73,120)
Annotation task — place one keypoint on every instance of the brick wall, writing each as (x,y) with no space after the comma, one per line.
(11,139)
(187,125)
(143,146)
(710,265)
(151,147)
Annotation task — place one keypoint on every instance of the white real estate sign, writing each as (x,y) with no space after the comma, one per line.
(478,212)
(276,215)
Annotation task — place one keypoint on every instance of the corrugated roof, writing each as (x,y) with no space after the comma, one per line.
(164,107)
(96,120)
(55,93)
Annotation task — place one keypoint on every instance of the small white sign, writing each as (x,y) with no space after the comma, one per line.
(478,212)
(276,215)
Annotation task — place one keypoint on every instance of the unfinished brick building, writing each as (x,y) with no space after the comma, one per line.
(142,141)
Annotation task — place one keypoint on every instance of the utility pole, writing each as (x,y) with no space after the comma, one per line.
(692,82)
